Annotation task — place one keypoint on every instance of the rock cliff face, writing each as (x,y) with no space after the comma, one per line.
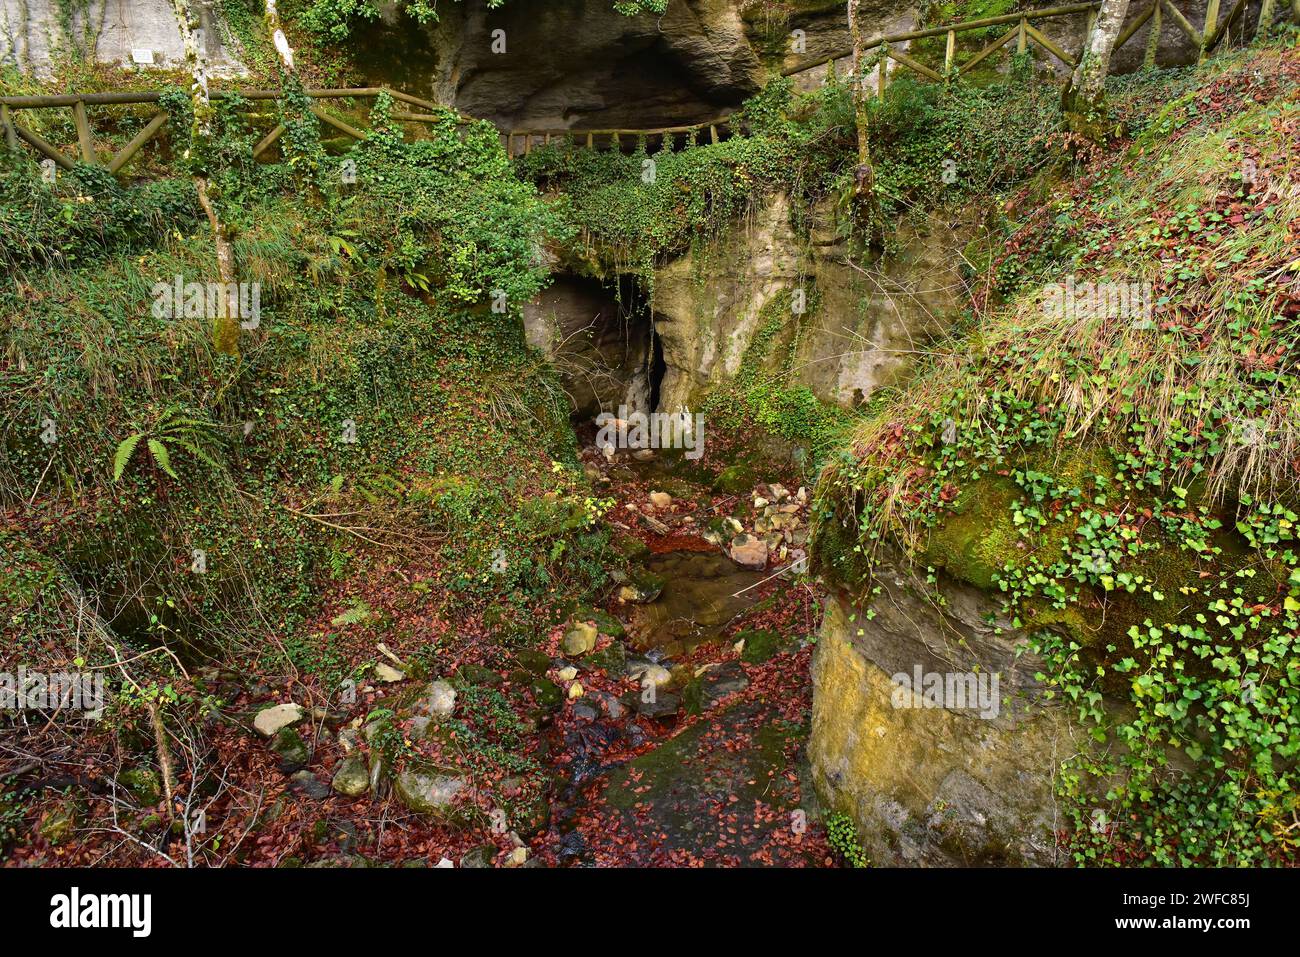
(579,64)
(732,303)
(540,63)
(602,346)
(33,33)
(935,786)
(861,328)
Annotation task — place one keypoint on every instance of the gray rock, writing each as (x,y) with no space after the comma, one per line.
(664,704)
(352,778)
(427,792)
(482,856)
(270,720)
(310,785)
(437,701)
(34,32)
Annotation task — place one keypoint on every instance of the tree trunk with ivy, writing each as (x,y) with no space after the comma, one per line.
(278,39)
(225,325)
(864,176)
(1088,84)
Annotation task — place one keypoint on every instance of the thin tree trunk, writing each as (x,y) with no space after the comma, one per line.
(278,38)
(1089,81)
(225,324)
(864,177)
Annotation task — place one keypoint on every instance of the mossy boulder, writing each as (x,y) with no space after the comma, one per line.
(548,695)
(605,623)
(611,659)
(760,646)
(736,479)
(428,791)
(293,752)
(478,675)
(533,661)
(352,778)
(143,784)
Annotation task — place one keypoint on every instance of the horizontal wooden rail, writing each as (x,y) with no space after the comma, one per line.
(14,131)
(1031,15)
(1021,24)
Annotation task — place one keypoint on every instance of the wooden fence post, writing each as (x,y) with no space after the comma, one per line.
(11,138)
(82,124)
(949,50)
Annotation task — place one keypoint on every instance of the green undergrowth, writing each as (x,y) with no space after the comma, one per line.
(383,408)
(1122,480)
(931,146)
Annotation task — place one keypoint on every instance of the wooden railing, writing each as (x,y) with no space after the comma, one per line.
(1022,30)
(15,131)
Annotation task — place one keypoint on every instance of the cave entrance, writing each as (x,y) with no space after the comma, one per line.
(602,339)
(657,366)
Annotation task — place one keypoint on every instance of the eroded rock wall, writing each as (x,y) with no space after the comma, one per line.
(863,326)
(600,345)
(144,33)
(935,786)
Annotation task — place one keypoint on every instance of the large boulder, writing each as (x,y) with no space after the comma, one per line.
(929,783)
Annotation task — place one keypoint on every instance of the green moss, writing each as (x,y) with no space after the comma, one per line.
(978,538)
(760,646)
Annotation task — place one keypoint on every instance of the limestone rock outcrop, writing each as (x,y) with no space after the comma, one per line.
(935,786)
(142,33)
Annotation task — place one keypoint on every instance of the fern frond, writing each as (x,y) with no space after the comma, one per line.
(125,449)
(197,451)
(161,456)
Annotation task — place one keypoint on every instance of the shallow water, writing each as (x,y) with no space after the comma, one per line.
(703,592)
